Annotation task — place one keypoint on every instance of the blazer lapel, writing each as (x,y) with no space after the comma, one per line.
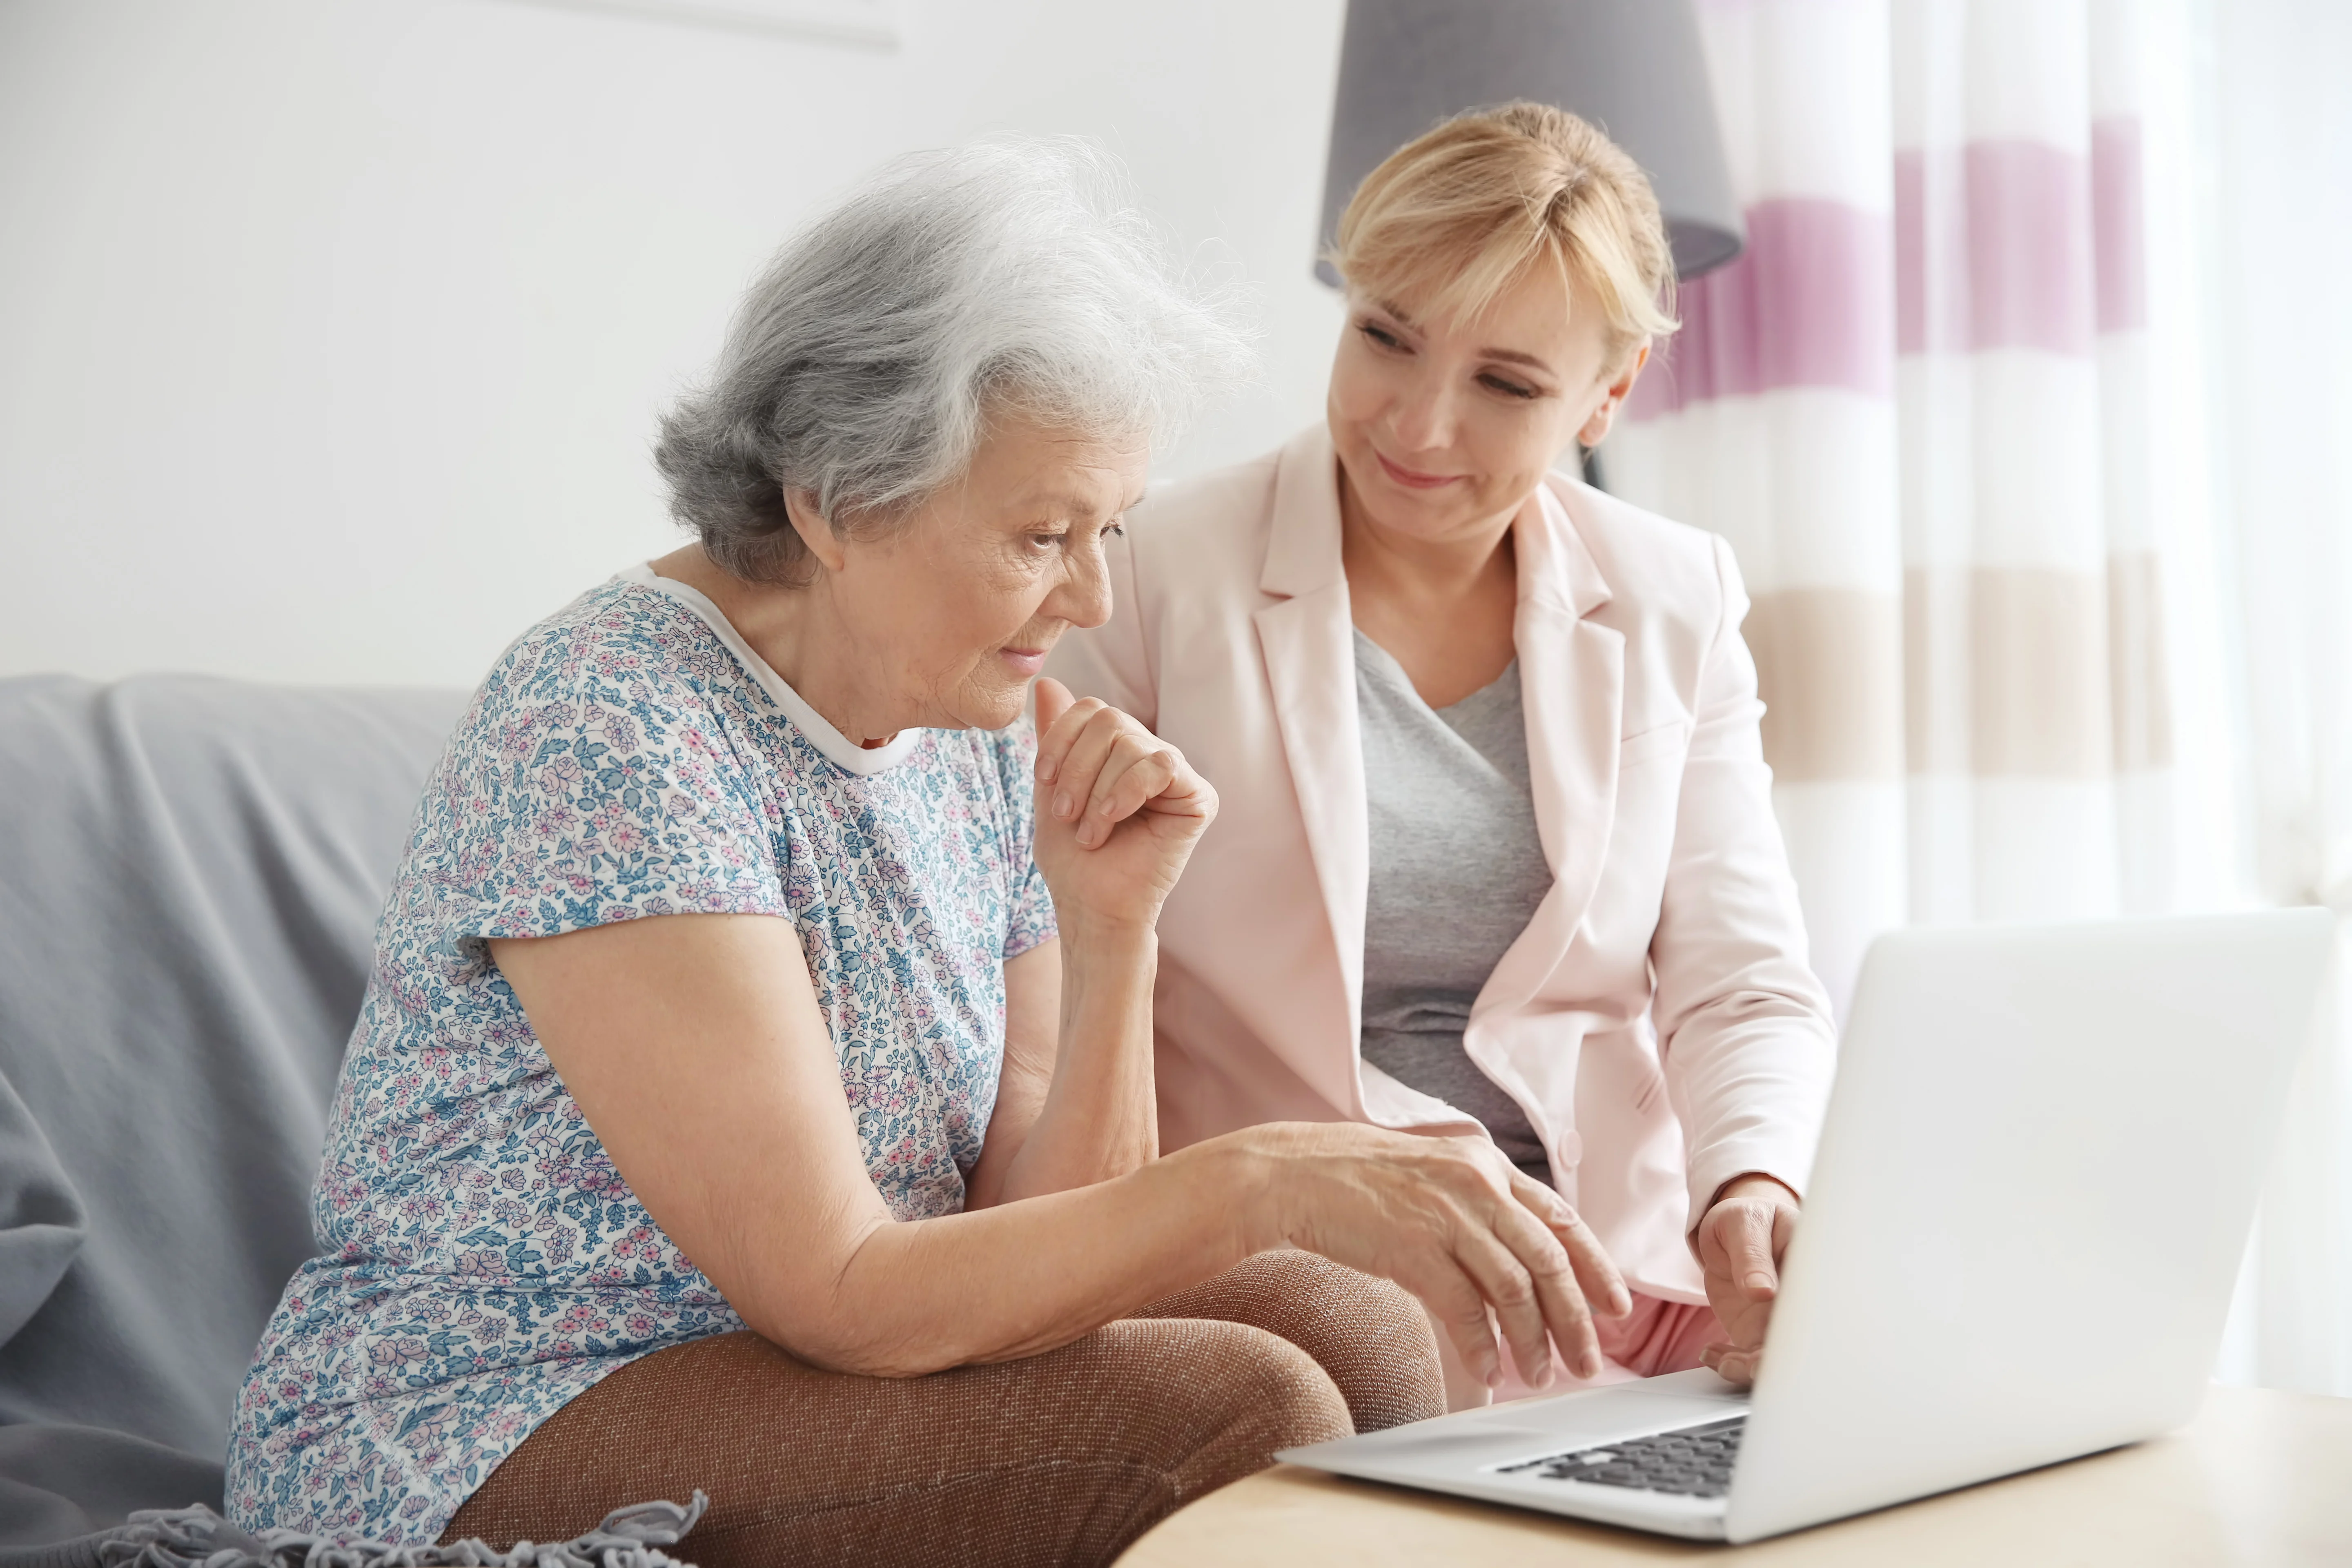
(1571,686)
(1307,637)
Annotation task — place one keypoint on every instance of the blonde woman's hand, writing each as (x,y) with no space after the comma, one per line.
(1450,1219)
(1119,809)
(1740,1242)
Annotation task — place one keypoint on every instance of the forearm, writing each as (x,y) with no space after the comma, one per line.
(1021,1277)
(1745,1034)
(1100,1118)
(1751,1092)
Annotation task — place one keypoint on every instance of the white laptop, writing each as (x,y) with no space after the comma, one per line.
(2040,1162)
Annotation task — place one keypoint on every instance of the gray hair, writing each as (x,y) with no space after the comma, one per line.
(863,364)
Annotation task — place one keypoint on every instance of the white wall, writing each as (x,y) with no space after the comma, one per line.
(333,332)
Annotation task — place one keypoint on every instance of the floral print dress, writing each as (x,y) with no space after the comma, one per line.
(483,1262)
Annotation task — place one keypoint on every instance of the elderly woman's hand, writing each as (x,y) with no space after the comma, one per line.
(1740,1243)
(1119,809)
(1450,1219)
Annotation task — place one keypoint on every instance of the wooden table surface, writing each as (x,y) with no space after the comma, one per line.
(2260,1479)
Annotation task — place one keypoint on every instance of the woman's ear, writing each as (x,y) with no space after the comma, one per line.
(816,534)
(1596,423)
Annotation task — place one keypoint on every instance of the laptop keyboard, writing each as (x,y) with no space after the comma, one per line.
(1695,1461)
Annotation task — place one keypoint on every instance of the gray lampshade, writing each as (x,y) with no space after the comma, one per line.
(1632,67)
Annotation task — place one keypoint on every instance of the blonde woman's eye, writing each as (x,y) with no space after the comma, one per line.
(1379,335)
(1508,388)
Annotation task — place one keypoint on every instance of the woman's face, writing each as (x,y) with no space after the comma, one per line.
(1444,427)
(962,600)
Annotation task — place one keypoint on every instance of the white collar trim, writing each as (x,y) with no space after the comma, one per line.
(838,748)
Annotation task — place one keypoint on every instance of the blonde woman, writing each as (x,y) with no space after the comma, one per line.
(1496,854)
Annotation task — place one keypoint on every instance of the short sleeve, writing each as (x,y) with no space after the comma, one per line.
(1029,919)
(592,785)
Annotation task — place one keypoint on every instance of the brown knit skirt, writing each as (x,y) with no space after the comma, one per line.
(1062,1458)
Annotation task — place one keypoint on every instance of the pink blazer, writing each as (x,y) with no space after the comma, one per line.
(1656,1018)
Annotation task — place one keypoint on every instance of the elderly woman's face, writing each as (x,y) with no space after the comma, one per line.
(1444,426)
(967,594)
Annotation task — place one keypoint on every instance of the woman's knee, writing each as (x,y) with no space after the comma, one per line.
(1370,1335)
(1211,1402)
(1300,1402)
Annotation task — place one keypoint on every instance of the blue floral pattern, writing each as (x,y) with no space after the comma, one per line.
(484,1261)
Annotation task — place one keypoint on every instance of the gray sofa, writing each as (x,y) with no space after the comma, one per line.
(190,872)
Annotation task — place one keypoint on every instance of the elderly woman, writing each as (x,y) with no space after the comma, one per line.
(752,1095)
(1497,852)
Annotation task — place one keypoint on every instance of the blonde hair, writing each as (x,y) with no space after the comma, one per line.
(1456,215)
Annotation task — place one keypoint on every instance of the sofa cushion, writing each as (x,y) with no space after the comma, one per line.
(190,874)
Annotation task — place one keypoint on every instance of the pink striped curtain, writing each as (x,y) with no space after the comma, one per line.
(1918,408)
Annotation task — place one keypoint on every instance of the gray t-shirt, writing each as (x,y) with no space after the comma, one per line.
(1457,872)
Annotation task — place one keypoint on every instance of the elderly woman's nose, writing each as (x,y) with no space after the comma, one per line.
(1083,599)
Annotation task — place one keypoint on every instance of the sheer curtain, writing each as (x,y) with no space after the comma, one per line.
(2036,449)
(1921,406)
(2272,138)
(1772,419)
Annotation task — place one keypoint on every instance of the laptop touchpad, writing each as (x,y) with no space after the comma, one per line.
(1474,1441)
(1599,1414)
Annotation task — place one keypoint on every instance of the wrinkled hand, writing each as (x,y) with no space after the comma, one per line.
(1460,1227)
(1119,809)
(1740,1243)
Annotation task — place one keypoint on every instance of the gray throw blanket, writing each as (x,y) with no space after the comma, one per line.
(190,872)
(199,1538)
